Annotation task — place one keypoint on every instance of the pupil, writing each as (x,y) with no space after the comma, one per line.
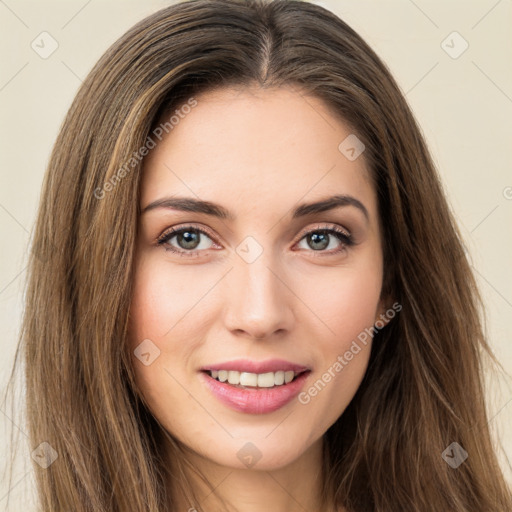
(190,239)
(319,238)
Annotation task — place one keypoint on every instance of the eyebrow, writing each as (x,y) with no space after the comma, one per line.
(189,204)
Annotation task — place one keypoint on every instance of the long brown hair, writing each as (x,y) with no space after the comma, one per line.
(423,389)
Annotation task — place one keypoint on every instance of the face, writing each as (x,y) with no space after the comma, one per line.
(254,287)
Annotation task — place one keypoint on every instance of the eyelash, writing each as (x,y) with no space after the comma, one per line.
(344,237)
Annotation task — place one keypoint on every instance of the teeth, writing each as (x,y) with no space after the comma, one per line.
(260,380)
(234,377)
(248,379)
(266,380)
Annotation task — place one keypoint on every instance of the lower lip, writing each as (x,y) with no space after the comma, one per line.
(255,400)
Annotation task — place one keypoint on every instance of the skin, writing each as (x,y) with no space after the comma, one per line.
(258,153)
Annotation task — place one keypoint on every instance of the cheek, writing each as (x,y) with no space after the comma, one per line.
(352,310)
(163,302)
(347,303)
(158,313)
(167,308)
(348,308)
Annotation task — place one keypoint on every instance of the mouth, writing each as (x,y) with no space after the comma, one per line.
(267,388)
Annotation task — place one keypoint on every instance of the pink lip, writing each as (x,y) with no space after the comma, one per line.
(245,365)
(255,400)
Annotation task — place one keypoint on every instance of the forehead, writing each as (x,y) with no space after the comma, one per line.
(255,149)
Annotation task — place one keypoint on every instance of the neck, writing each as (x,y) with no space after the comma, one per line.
(293,488)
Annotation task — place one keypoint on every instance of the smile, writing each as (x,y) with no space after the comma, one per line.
(255,388)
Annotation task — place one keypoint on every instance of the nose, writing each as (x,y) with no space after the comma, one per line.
(258,302)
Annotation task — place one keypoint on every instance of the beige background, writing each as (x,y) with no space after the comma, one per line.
(463,104)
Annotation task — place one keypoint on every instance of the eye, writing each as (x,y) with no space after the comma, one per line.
(333,238)
(189,241)
(186,241)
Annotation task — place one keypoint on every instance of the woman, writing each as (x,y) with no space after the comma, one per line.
(247,289)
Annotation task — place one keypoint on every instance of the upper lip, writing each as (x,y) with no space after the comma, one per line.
(246,365)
